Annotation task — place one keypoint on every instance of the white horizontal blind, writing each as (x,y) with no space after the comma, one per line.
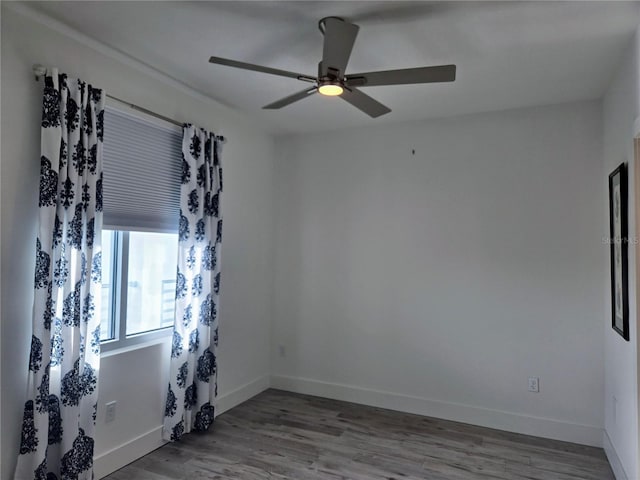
(142,164)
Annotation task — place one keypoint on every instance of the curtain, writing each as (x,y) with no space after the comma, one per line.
(193,372)
(60,411)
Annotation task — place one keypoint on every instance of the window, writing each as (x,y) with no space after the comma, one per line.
(108,290)
(141,190)
(139,284)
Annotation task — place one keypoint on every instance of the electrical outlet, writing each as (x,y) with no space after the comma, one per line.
(534,384)
(614,407)
(110,412)
(282,351)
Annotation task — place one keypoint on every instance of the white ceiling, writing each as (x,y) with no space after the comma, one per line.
(509,54)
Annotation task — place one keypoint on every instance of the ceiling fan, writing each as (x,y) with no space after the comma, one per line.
(332,79)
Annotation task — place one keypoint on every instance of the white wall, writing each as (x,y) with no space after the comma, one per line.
(621,106)
(449,276)
(133,377)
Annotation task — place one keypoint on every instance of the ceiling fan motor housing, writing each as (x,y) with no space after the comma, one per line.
(331,76)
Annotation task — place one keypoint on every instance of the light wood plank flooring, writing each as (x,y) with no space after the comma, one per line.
(281,435)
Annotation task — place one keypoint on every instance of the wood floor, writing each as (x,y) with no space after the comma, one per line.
(280,435)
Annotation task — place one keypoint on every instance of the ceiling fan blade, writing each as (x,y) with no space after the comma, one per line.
(339,37)
(258,68)
(441,73)
(283,102)
(364,102)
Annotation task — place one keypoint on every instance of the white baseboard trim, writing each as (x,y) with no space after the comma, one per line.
(108,462)
(612,456)
(484,417)
(241,394)
(116,458)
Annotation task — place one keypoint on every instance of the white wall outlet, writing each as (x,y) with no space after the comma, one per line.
(282,351)
(110,412)
(534,384)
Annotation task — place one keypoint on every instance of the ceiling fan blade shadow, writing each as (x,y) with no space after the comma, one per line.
(259,68)
(407,76)
(397,11)
(283,102)
(364,102)
(405,11)
(339,37)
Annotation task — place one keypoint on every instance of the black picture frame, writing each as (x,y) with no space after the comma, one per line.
(619,243)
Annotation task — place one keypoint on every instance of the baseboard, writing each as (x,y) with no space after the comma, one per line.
(612,456)
(508,421)
(241,394)
(116,458)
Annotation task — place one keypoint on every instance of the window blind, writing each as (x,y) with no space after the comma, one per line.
(142,173)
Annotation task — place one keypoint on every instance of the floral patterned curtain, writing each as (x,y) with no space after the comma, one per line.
(60,411)
(193,374)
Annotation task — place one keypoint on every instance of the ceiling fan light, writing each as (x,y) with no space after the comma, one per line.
(330,89)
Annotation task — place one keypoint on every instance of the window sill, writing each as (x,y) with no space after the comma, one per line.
(115,347)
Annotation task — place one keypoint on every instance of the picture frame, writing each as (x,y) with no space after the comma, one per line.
(619,243)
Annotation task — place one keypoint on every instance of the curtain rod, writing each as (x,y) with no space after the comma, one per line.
(40,71)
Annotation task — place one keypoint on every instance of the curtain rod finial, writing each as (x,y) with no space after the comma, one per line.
(39,71)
